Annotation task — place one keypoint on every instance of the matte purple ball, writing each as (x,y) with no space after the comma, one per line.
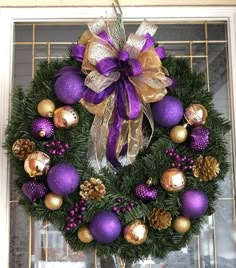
(105,226)
(63,179)
(34,190)
(69,88)
(168,112)
(194,204)
(42,125)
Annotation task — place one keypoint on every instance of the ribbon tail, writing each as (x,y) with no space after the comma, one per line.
(134,138)
(148,113)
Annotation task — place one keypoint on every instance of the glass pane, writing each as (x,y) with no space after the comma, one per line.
(37,244)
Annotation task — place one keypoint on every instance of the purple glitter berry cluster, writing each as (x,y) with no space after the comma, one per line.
(56,147)
(75,217)
(123,206)
(180,161)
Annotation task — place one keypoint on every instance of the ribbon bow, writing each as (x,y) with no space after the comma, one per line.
(123,77)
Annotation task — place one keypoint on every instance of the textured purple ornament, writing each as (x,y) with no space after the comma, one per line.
(168,112)
(34,190)
(199,138)
(69,88)
(194,204)
(63,179)
(105,226)
(145,192)
(42,128)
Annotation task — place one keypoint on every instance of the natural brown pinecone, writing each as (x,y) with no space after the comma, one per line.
(93,189)
(206,168)
(22,148)
(160,219)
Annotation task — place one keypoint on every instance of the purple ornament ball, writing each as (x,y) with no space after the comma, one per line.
(42,128)
(63,179)
(69,88)
(199,138)
(34,190)
(194,204)
(145,192)
(105,226)
(168,112)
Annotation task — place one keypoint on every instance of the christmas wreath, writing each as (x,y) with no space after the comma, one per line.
(118,146)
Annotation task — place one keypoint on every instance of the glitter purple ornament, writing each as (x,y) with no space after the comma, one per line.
(34,190)
(199,138)
(69,88)
(42,128)
(63,179)
(145,192)
(194,204)
(168,112)
(105,226)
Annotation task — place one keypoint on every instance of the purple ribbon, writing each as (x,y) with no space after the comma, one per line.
(161,52)
(107,65)
(149,42)
(77,52)
(95,98)
(105,37)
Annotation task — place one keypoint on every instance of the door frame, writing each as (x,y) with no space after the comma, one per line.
(8,16)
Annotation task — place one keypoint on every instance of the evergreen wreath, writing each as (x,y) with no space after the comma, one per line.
(89,158)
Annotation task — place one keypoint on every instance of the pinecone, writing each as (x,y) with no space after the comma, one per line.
(92,189)
(22,148)
(206,168)
(160,219)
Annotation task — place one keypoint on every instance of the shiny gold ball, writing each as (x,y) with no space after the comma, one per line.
(65,117)
(196,114)
(136,232)
(178,134)
(37,164)
(46,108)
(53,201)
(84,234)
(181,224)
(173,180)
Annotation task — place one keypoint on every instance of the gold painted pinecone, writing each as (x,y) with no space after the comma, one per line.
(93,189)
(22,148)
(160,219)
(206,168)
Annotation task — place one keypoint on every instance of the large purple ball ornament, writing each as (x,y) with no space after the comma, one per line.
(42,128)
(63,179)
(69,88)
(168,112)
(194,204)
(34,190)
(105,227)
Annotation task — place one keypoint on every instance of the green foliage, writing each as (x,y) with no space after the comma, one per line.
(151,162)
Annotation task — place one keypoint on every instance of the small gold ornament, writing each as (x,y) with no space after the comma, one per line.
(65,117)
(136,232)
(22,148)
(178,134)
(53,201)
(206,168)
(181,224)
(173,180)
(93,189)
(196,114)
(84,234)
(37,164)
(46,108)
(160,219)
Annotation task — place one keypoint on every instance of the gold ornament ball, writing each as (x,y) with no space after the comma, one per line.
(37,164)
(136,232)
(84,234)
(173,180)
(178,134)
(46,108)
(181,224)
(65,117)
(53,201)
(196,114)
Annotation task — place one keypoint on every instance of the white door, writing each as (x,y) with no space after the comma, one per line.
(204,36)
